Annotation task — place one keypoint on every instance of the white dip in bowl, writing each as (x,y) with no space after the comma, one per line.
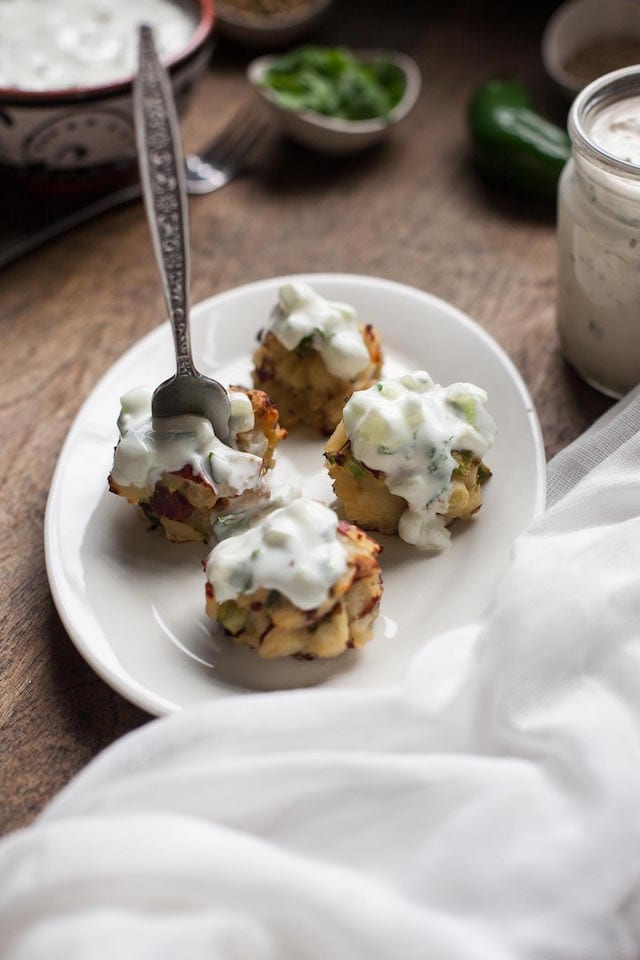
(60,44)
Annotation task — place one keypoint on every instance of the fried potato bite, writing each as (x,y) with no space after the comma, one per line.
(313,356)
(367,500)
(183,500)
(268,622)
(302,388)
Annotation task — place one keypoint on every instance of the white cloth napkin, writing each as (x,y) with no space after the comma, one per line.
(486,807)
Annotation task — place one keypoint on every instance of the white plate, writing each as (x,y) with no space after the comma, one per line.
(133,604)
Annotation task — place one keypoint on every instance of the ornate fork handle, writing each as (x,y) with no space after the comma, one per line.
(162,173)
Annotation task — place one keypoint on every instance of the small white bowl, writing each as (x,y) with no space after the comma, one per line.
(268,32)
(578,23)
(331,134)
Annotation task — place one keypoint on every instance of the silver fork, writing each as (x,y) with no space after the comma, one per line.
(163,187)
(219,162)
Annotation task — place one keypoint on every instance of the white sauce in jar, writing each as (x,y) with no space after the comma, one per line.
(294,550)
(149,448)
(616,129)
(407,428)
(598,301)
(302,320)
(61,44)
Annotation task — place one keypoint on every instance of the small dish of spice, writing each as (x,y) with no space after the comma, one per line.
(585,39)
(268,24)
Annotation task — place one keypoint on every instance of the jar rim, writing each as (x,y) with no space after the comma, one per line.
(607,89)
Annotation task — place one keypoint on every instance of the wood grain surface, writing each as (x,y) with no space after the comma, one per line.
(413,211)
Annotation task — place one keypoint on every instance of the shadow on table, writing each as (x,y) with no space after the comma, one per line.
(286,167)
(506,201)
(31,216)
(589,401)
(581,405)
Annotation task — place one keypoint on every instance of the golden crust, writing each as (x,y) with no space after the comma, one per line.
(368,501)
(182,502)
(266,422)
(267,622)
(301,386)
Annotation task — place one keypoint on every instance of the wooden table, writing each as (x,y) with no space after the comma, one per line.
(414,211)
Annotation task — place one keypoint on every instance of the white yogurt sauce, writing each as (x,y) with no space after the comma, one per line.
(598,305)
(294,550)
(616,129)
(149,448)
(304,319)
(60,44)
(233,522)
(407,428)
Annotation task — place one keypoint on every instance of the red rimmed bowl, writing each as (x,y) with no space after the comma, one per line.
(84,136)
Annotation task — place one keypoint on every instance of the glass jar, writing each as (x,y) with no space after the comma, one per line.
(598,305)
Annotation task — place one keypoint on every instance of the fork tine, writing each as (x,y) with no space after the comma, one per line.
(241,120)
(236,150)
(214,166)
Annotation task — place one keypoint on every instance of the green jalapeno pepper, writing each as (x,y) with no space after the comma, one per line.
(513,143)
